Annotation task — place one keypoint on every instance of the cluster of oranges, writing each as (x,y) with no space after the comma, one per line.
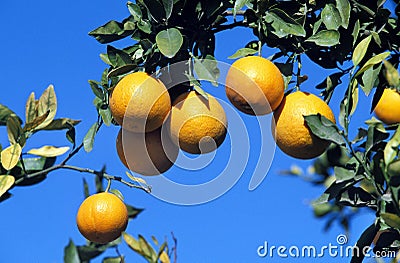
(153,128)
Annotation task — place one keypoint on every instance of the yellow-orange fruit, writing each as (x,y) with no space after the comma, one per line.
(388,107)
(102,218)
(140,102)
(254,85)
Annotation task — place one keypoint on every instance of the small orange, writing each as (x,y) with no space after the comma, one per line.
(254,85)
(196,124)
(290,130)
(102,217)
(388,107)
(150,153)
(140,102)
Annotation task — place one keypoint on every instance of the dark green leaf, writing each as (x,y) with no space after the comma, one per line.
(343,174)
(71,253)
(88,140)
(169,42)
(113,259)
(145,26)
(155,9)
(321,209)
(15,132)
(361,135)
(392,147)
(324,129)
(364,241)
(122,70)
(375,136)
(392,220)
(344,9)
(135,11)
(5,113)
(168,5)
(360,50)
(283,24)
(85,188)
(356,197)
(118,57)
(70,135)
(329,85)
(87,253)
(33,165)
(97,91)
(242,53)
(207,69)
(331,17)
(325,38)
(133,212)
(31,108)
(109,32)
(369,78)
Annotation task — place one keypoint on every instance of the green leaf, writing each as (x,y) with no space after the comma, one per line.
(133,212)
(47,102)
(164,258)
(97,91)
(48,151)
(155,9)
(391,74)
(324,129)
(6,182)
(109,32)
(71,253)
(201,92)
(88,140)
(343,174)
(117,57)
(344,9)
(15,132)
(354,97)
(356,30)
(86,193)
(372,61)
(369,79)
(5,113)
(147,249)
(145,26)
(106,116)
(376,38)
(117,193)
(239,4)
(391,148)
(31,108)
(316,26)
(331,17)
(207,69)
(321,209)
(325,38)
(169,42)
(62,124)
(136,179)
(88,252)
(31,126)
(118,71)
(375,136)
(168,5)
(135,11)
(113,259)
(283,24)
(10,156)
(360,50)
(392,220)
(243,52)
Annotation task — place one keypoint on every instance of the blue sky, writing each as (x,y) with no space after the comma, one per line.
(46,42)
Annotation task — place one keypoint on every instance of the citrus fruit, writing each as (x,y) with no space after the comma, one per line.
(102,217)
(388,109)
(139,102)
(290,130)
(254,85)
(150,153)
(197,125)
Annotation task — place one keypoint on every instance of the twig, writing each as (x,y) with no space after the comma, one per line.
(230,13)
(175,247)
(228,26)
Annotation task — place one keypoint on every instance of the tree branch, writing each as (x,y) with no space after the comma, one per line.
(228,26)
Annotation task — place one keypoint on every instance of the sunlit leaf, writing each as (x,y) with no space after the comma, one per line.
(344,9)
(106,116)
(283,24)
(31,126)
(48,151)
(132,243)
(331,17)
(113,259)
(135,11)
(168,5)
(169,41)
(242,53)
(391,148)
(343,174)
(392,220)
(356,30)
(164,258)
(391,74)
(10,156)
(360,50)
(62,124)
(136,179)
(239,4)
(207,69)
(5,112)
(31,108)
(370,78)
(147,249)
(372,61)
(6,182)
(88,140)
(325,38)
(354,97)
(71,253)
(47,102)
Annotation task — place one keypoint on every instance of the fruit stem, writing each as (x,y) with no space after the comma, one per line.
(108,185)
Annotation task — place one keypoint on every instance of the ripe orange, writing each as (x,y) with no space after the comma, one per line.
(149,153)
(197,125)
(290,130)
(140,102)
(102,217)
(388,107)
(254,85)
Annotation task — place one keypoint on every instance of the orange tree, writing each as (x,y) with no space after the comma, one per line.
(357,41)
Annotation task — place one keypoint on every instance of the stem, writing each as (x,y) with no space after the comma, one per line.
(230,13)
(298,74)
(108,185)
(228,26)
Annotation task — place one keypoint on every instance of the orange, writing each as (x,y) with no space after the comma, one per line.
(388,107)
(290,130)
(139,102)
(149,153)
(102,218)
(254,85)
(196,124)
